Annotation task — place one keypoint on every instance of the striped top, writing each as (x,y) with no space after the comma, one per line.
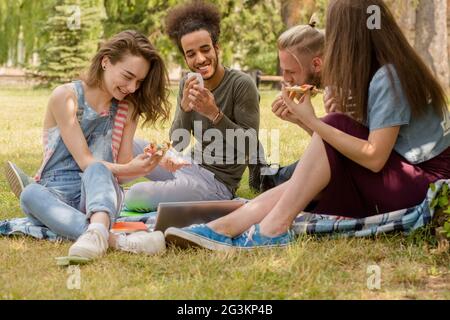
(119,124)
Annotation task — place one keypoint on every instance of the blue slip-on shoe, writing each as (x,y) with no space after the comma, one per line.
(198,235)
(252,239)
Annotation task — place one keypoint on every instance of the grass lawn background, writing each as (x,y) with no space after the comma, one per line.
(310,269)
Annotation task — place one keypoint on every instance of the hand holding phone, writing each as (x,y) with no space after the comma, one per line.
(198,76)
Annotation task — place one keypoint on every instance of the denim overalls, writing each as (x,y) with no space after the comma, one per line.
(65,197)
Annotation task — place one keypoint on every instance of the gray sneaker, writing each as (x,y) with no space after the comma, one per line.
(17,179)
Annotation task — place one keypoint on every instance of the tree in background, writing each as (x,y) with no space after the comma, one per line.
(249,33)
(146,16)
(21,22)
(295,12)
(431,37)
(405,14)
(249,30)
(72,29)
(425,23)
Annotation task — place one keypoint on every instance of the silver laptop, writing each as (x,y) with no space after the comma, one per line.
(183,214)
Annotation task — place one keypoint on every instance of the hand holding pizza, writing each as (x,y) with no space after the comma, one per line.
(299,91)
(303,109)
(171,164)
(159,149)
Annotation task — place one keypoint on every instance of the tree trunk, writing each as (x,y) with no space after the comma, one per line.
(290,12)
(432,37)
(405,14)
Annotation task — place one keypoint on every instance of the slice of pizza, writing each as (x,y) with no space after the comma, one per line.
(303,89)
(154,148)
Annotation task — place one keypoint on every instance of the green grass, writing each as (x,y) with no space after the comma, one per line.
(310,269)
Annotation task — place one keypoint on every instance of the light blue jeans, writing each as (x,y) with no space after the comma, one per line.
(192,183)
(65,201)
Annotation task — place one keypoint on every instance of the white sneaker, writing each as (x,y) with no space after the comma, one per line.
(91,244)
(143,242)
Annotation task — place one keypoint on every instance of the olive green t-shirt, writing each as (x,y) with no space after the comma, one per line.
(238,98)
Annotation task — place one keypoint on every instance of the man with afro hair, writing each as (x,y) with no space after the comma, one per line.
(221,102)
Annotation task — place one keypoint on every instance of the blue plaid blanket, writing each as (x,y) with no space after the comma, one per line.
(406,220)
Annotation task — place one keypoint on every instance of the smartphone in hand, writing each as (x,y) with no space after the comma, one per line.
(198,76)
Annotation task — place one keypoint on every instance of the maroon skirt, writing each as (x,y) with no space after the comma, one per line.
(357,192)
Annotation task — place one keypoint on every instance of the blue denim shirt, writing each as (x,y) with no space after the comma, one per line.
(419,139)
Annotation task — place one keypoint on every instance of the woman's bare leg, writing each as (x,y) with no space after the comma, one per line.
(249,214)
(277,208)
(308,180)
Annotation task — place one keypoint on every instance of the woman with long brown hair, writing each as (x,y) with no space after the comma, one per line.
(89,127)
(381,159)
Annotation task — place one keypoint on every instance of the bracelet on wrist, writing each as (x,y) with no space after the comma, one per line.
(217,117)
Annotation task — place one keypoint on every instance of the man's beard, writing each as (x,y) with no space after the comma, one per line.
(314,79)
(215,66)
